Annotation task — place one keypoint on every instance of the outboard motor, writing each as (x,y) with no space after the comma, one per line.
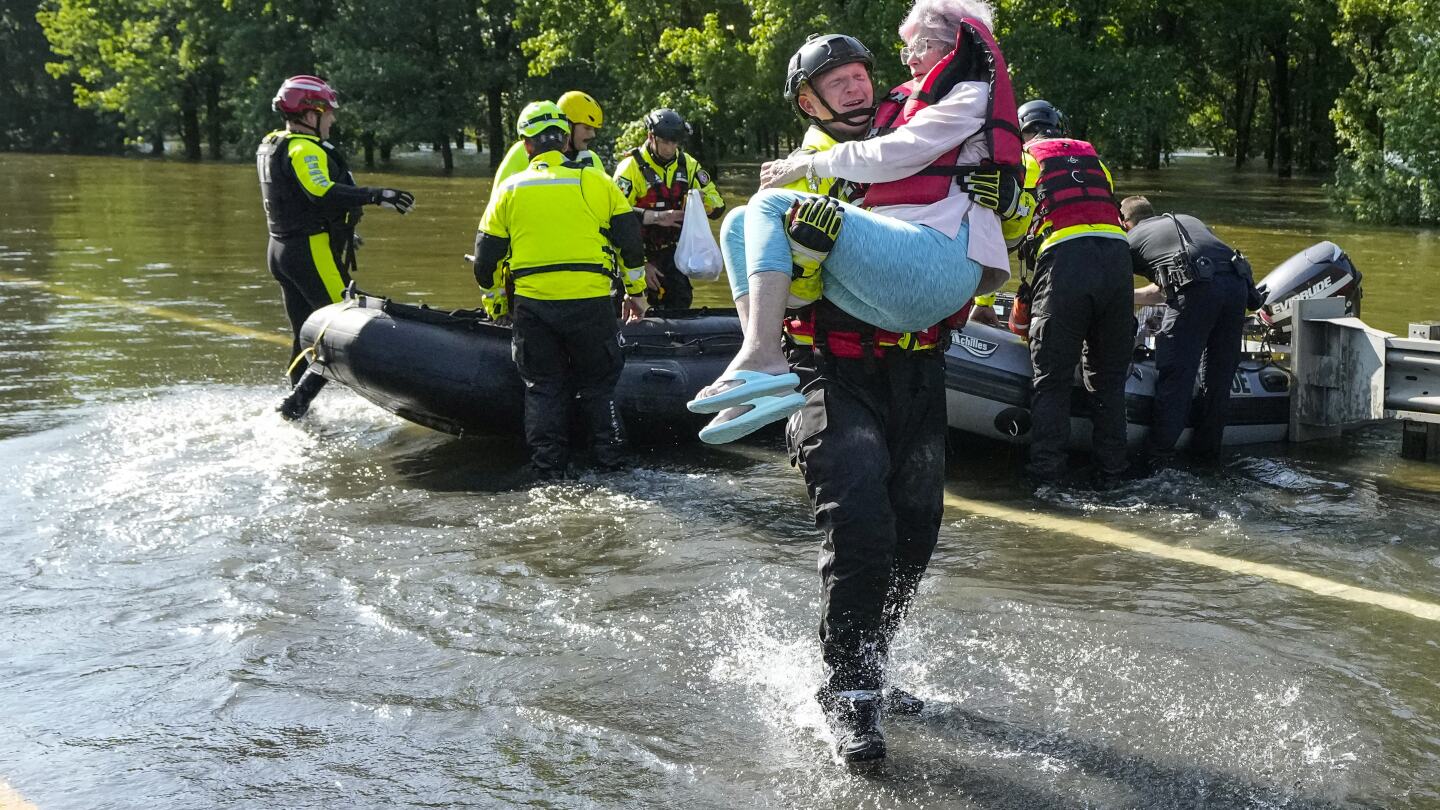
(1319,271)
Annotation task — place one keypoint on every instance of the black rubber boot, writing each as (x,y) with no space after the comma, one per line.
(854,719)
(900,702)
(297,403)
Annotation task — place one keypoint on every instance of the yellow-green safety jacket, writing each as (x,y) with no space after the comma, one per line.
(517,160)
(564,231)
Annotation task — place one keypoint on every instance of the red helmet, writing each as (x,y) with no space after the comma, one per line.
(301,93)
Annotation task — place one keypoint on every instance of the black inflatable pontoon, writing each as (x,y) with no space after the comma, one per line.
(452,371)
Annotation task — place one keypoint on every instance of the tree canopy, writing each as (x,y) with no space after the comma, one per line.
(1346,87)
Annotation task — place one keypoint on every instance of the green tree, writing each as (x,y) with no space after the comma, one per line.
(265,42)
(407,68)
(152,61)
(36,109)
(1386,119)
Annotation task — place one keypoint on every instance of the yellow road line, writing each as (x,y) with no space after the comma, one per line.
(10,800)
(159,312)
(1130,541)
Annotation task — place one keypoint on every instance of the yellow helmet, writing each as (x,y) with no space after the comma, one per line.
(539,116)
(581,108)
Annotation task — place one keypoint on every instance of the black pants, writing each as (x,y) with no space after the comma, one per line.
(675,290)
(297,266)
(1083,309)
(870,442)
(564,350)
(1207,318)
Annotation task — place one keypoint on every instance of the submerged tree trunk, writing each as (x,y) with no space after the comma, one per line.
(190,121)
(213,114)
(1247,86)
(496,136)
(1281,104)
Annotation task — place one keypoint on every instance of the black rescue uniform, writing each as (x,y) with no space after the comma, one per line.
(311,207)
(870,442)
(560,225)
(1082,307)
(1204,317)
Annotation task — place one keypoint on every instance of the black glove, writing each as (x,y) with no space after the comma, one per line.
(995,189)
(814,225)
(393,198)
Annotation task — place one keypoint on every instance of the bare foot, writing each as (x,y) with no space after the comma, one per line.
(728,414)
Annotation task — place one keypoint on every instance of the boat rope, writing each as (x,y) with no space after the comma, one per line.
(312,352)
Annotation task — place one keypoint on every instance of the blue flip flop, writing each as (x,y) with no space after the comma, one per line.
(752,384)
(763,411)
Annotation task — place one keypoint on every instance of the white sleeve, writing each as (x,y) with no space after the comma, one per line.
(933,131)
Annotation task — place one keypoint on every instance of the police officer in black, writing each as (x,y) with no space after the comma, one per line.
(311,207)
(1205,285)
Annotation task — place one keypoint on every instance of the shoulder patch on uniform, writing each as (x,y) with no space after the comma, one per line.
(624,184)
(702,177)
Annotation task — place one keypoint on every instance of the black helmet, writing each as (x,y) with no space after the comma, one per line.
(1040,117)
(820,53)
(666,123)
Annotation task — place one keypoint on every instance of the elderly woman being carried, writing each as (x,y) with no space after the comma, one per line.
(909,255)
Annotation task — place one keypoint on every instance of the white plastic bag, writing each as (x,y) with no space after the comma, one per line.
(698,254)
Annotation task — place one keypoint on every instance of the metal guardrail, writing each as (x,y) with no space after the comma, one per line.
(1348,374)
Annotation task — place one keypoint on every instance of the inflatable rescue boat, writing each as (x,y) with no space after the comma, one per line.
(452,370)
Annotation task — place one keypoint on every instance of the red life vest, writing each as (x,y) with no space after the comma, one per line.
(658,195)
(976,58)
(1072,188)
(662,197)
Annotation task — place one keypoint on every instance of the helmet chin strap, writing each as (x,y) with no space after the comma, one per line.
(858,117)
(301,122)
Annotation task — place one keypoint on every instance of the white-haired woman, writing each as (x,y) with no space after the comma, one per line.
(900,267)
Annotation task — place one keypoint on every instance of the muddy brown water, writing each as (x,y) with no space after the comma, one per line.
(203,606)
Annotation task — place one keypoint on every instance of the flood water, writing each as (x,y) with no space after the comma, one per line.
(204,606)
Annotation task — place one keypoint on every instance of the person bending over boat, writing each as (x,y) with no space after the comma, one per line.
(1081,299)
(311,208)
(559,226)
(656,177)
(1205,285)
(585,117)
(870,437)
